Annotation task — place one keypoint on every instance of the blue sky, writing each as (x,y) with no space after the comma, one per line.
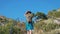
(17,8)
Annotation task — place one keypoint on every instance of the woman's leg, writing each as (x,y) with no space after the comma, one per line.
(30,31)
(27,32)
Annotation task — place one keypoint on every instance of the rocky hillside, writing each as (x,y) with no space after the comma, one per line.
(45,24)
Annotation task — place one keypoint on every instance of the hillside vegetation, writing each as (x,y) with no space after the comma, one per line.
(44,26)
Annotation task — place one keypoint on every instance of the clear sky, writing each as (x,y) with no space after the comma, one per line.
(17,8)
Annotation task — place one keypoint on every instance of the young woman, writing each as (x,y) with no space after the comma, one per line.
(29,22)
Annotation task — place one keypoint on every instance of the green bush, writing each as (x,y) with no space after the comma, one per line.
(10,28)
(46,26)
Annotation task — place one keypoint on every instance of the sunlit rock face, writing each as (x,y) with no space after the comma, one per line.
(58,10)
(57,21)
(2,19)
